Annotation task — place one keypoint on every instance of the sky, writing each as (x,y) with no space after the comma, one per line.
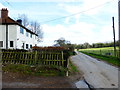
(78,21)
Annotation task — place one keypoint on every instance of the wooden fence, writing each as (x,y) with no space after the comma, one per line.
(34,58)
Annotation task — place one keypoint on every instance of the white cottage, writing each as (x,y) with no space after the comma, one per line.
(13,35)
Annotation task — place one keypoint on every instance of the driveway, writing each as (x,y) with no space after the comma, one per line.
(97,73)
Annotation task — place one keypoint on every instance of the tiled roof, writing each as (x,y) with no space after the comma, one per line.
(10,21)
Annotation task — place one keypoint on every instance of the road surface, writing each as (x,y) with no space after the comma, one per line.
(97,73)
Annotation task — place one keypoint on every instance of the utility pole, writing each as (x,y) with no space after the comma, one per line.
(119,25)
(114,37)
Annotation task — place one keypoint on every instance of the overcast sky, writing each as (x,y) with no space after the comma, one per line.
(87,20)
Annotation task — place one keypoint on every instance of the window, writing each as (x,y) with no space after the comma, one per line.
(31,35)
(1,43)
(23,45)
(27,34)
(26,46)
(21,30)
(11,44)
(30,46)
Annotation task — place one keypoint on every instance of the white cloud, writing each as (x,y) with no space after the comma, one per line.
(78,33)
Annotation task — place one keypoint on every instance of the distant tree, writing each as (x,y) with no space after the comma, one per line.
(36,28)
(62,42)
(86,45)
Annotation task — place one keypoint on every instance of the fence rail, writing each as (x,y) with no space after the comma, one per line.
(36,57)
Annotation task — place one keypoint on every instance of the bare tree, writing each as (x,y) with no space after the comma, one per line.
(24,19)
(34,26)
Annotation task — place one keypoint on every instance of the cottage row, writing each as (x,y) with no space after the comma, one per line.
(13,35)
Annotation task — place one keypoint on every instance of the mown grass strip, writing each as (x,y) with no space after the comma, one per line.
(112,60)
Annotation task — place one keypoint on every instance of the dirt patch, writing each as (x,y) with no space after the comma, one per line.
(17,80)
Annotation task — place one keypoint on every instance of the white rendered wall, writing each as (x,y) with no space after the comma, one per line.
(15,36)
(12,34)
(22,38)
(3,35)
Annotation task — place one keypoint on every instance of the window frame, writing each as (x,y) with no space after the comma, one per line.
(21,30)
(27,34)
(11,43)
(1,43)
(30,45)
(27,46)
(31,35)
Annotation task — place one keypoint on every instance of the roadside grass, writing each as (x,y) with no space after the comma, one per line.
(35,70)
(110,59)
(72,68)
(39,70)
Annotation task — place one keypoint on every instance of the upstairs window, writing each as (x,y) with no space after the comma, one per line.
(21,30)
(1,43)
(27,34)
(11,44)
(31,35)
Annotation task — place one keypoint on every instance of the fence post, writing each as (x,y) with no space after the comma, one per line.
(36,57)
(62,59)
(100,52)
(67,67)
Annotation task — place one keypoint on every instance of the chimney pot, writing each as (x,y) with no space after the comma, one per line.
(4,13)
(19,21)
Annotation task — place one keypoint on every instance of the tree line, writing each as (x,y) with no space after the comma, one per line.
(96,45)
(64,43)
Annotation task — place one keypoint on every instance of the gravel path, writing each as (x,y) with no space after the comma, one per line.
(97,73)
(16,80)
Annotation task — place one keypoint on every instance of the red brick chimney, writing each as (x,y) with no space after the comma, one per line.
(4,13)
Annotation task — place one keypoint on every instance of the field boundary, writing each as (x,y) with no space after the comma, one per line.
(108,51)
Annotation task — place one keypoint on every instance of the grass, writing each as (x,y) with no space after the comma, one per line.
(39,70)
(35,70)
(72,68)
(104,48)
(112,60)
(102,51)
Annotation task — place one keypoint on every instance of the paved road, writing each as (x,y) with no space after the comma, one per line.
(96,73)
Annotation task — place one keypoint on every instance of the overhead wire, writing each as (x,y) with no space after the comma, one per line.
(5,3)
(77,13)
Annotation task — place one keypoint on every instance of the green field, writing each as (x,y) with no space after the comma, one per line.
(109,51)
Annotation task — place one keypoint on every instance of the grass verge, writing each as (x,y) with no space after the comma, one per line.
(112,60)
(35,70)
(72,68)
